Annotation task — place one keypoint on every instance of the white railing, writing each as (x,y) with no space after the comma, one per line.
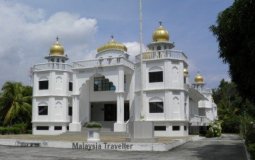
(161,54)
(200,120)
(52,66)
(102,62)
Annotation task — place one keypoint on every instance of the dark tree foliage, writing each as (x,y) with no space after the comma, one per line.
(15,104)
(232,108)
(235,32)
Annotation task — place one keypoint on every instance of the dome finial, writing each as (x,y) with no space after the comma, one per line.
(160,34)
(112,37)
(199,78)
(57,48)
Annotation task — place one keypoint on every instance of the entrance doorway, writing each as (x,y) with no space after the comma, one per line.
(110,112)
(106,113)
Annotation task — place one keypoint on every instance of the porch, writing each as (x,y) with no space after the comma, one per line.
(106,113)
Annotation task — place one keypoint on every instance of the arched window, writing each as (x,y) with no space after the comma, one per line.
(103,84)
(42,108)
(158,48)
(156,105)
(155,75)
(43,83)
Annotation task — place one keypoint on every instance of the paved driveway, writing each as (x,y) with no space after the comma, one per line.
(229,147)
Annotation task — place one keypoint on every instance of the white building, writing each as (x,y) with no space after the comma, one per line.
(113,90)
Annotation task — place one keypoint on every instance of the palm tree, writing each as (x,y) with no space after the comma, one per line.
(15,102)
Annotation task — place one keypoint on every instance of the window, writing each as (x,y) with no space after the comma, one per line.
(43,110)
(156,76)
(103,84)
(43,85)
(201,112)
(42,128)
(176,128)
(57,127)
(158,48)
(156,107)
(70,111)
(185,128)
(159,128)
(70,86)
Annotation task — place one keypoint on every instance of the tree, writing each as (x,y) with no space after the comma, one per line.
(233,110)
(15,102)
(235,32)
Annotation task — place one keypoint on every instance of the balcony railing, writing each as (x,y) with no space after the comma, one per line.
(200,120)
(52,66)
(103,62)
(161,54)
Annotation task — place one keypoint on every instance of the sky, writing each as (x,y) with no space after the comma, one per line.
(28,28)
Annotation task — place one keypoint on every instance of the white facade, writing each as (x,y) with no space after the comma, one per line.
(114,91)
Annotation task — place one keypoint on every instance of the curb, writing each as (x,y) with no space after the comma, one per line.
(81,145)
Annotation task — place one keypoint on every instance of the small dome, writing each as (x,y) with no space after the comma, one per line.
(160,34)
(57,49)
(185,72)
(112,45)
(199,79)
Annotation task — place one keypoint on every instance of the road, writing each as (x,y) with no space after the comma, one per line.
(228,147)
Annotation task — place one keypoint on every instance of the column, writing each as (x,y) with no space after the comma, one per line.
(120,107)
(120,125)
(76,124)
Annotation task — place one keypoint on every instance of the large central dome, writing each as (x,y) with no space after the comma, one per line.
(112,45)
(160,34)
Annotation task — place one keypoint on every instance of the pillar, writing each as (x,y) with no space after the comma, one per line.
(75,126)
(120,125)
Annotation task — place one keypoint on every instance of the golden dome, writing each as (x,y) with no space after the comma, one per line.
(160,34)
(112,45)
(199,79)
(185,72)
(57,49)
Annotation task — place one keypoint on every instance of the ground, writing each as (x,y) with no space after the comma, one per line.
(227,147)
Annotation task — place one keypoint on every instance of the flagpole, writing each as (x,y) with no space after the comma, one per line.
(141,57)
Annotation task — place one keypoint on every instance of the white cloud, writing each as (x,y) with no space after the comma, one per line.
(134,49)
(27,34)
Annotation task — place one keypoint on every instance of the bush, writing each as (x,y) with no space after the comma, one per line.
(214,129)
(93,125)
(3,130)
(29,132)
(231,125)
(22,127)
(250,141)
(15,129)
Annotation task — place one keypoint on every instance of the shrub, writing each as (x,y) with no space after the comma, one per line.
(93,125)
(214,129)
(22,127)
(29,131)
(3,130)
(250,141)
(10,130)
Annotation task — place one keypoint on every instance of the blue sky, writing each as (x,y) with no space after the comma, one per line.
(29,28)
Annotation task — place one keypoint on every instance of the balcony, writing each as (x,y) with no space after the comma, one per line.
(163,54)
(103,62)
(52,66)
